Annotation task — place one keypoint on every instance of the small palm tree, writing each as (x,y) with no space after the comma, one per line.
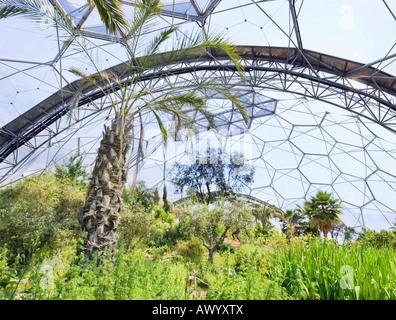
(265,211)
(100,216)
(323,212)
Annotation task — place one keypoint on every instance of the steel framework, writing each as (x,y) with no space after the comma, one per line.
(309,74)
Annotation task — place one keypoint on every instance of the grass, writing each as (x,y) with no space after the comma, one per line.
(317,271)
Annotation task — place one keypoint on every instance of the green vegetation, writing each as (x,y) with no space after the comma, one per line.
(39,211)
(180,253)
(211,223)
(315,270)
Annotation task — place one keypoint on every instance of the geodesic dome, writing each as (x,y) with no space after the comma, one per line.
(320,92)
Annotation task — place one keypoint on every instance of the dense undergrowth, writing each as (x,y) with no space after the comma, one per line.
(161,257)
(280,270)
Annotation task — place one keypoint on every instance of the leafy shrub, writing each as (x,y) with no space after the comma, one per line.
(164,229)
(141,195)
(136,224)
(246,281)
(248,253)
(159,239)
(225,247)
(210,223)
(6,275)
(164,215)
(131,277)
(72,171)
(39,210)
(192,249)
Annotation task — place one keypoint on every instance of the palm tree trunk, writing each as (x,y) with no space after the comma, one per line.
(101,213)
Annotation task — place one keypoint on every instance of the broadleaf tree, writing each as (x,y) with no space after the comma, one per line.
(211,222)
(213,174)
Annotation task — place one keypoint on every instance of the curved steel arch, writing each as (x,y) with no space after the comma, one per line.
(302,72)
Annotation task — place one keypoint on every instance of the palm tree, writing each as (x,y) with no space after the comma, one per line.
(265,211)
(323,212)
(100,216)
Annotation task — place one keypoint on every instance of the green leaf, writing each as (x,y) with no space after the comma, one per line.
(111,15)
(164,133)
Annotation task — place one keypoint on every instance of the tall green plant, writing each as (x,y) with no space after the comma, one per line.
(166,206)
(72,170)
(328,271)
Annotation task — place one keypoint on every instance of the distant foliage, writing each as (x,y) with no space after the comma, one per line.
(323,212)
(143,221)
(379,239)
(136,224)
(166,206)
(72,170)
(140,195)
(211,223)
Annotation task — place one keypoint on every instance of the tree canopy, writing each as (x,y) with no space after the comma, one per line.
(323,212)
(214,173)
(211,222)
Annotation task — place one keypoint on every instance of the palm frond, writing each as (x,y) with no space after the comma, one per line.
(111,15)
(142,23)
(74,105)
(150,57)
(216,41)
(36,10)
(10,11)
(199,41)
(216,87)
(32,8)
(164,133)
(161,38)
(183,105)
(102,81)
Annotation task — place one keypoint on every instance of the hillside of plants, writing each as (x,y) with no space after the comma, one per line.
(214,245)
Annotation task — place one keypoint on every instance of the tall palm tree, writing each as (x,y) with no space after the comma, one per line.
(100,216)
(323,212)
